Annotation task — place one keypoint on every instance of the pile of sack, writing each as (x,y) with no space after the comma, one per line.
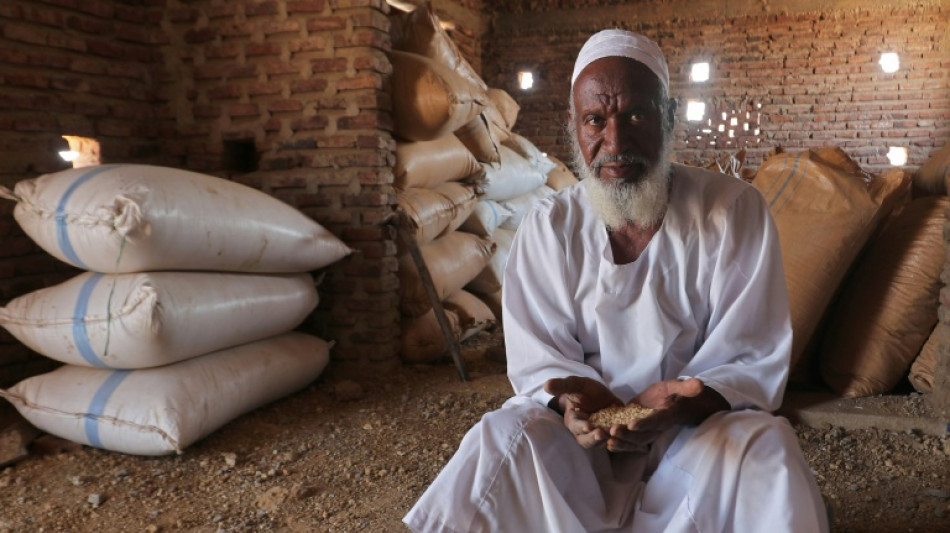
(863,255)
(185,316)
(464,179)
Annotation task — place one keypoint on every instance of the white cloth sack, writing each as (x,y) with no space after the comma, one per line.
(513,177)
(520,205)
(156,318)
(487,215)
(136,218)
(159,411)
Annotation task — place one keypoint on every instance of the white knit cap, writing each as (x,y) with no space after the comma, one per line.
(622,43)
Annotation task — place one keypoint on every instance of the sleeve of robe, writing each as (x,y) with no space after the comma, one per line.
(538,308)
(745,352)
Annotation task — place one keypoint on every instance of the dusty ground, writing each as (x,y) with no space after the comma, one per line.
(345,456)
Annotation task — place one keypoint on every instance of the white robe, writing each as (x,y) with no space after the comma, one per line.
(705,299)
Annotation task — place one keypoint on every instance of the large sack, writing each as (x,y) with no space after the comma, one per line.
(492,277)
(464,199)
(529,151)
(824,217)
(481,138)
(452,260)
(506,107)
(888,306)
(435,212)
(560,176)
(513,177)
(521,206)
(422,337)
(163,410)
(932,176)
(419,32)
(123,321)
(422,340)
(486,216)
(430,100)
(425,164)
(136,218)
(474,315)
(924,368)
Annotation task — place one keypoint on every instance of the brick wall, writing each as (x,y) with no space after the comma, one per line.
(815,75)
(303,84)
(294,91)
(66,67)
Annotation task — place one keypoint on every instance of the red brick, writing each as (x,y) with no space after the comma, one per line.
(326,23)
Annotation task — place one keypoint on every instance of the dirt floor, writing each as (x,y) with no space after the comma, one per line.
(347,456)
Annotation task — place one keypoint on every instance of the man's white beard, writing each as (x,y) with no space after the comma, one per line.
(616,203)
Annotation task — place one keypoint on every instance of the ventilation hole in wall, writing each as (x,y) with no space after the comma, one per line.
(725,125)
(240,155)
(81,151)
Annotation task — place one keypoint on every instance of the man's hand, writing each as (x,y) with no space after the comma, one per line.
(577,398)
(675,402)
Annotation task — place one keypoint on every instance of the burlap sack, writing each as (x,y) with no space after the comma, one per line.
(922,371)
(888,306)
(560,176)
(419,32)
(429,99)
(491,279)
(505,105)
(824,217)
(932,176)
(474,315)
(428,163)
(422,340)
(464,199)
(477,136)
(435,212)
(453,260)
(493,301)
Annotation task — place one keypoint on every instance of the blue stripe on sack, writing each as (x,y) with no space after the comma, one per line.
(494,214)
(785,181)
(80,333)
(62,231)
(98,405)
(791,194)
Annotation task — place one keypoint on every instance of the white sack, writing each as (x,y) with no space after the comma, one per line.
(522,205)
(135,218)
(159,411)
(513,177)
(526,149)
(156,318)
(487,216)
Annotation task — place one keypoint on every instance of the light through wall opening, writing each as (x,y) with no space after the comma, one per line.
(890,62)
(897,155)
(695,110)
(699,72)
(80,151)
(525,79)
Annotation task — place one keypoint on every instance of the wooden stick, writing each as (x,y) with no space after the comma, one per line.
(404,226)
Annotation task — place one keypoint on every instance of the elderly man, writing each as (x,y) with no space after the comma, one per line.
(648,282)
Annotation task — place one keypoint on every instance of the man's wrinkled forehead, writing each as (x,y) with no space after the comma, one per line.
(622,43)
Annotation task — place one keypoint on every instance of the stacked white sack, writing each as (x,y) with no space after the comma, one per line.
(196,289)
(163,410)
